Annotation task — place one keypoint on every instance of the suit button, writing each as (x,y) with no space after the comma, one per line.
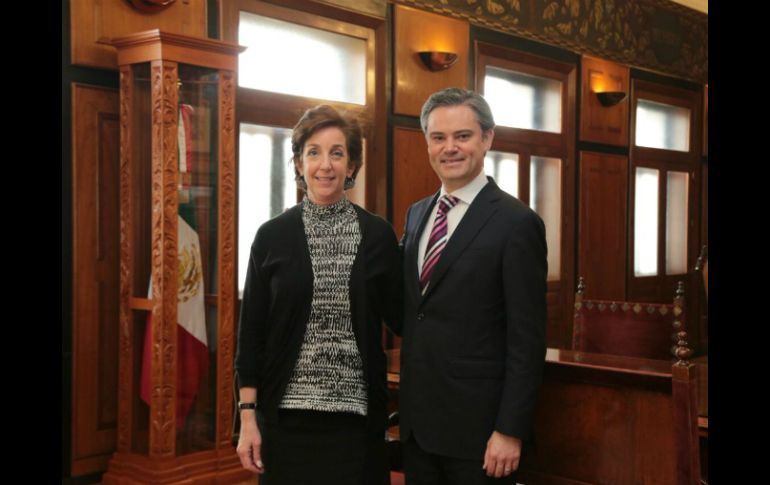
(420,316)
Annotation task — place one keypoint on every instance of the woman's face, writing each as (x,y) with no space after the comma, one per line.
(324,164)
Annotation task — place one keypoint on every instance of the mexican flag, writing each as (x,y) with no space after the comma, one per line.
(192,344)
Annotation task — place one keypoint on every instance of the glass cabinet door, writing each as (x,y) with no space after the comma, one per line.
(198,128)
(192,142)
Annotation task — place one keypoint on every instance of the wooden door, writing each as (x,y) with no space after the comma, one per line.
(95,282)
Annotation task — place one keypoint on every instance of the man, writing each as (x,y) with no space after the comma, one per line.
(473,346)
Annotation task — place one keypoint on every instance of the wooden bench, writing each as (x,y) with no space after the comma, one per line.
(614,419)
(634,329)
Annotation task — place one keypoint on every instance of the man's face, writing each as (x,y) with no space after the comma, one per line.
(456,145)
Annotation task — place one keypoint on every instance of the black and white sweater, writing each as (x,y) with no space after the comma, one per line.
(329,373)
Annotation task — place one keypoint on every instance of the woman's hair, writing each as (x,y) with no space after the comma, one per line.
(325,116)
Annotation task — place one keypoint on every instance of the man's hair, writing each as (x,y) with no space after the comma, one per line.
(458,97)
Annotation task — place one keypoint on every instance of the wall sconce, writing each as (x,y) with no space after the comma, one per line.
(437,61)
(610,98)
(150,6)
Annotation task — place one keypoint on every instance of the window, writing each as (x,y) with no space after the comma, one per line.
(528,97)
(296,60)
(660,125)
(532,101)
(676,222)
(646,222)
(306,61)
(266,184)
(522,101)
(545,193)
(665,163)
(545,199)
(504,168)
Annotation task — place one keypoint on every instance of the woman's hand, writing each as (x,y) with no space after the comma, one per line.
(250,443)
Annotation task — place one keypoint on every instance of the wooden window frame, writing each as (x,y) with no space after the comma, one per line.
(528,143)
(660,287)
(283,110)
(279,110)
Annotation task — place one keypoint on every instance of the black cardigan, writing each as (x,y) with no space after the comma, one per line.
(276,307)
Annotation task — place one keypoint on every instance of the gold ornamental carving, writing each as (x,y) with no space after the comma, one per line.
(655,34)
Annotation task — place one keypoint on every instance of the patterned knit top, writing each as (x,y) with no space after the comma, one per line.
(329,375)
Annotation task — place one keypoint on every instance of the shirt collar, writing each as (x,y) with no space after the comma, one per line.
(469,192)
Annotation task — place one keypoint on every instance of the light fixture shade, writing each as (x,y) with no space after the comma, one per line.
(150,6)
(610,98)
(437,61)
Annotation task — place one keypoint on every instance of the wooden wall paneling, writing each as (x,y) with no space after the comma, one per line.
(599,123)
(704,215)
(95,22)
(377,190)
(602,224)
(700,316)
(416,31)
(95,158)
(569,174)
(559,320)
(413,177)
(706,120)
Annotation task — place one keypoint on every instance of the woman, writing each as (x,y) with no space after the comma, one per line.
(321,278)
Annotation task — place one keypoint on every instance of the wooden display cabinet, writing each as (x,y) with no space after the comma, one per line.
(177,172)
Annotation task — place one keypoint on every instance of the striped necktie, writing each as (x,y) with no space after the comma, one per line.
(437,240)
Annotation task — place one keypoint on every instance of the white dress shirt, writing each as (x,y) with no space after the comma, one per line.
(466,195)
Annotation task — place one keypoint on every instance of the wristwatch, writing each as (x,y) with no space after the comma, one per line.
(247,405)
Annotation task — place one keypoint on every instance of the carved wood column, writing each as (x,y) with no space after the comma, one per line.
(164,263)
(227,259)
(126,348)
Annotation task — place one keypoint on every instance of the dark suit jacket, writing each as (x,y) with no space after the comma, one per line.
(473,347)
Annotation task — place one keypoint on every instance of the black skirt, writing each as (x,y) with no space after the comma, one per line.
(315,447)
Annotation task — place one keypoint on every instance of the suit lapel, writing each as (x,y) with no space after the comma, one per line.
(418,221)
(479,212)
